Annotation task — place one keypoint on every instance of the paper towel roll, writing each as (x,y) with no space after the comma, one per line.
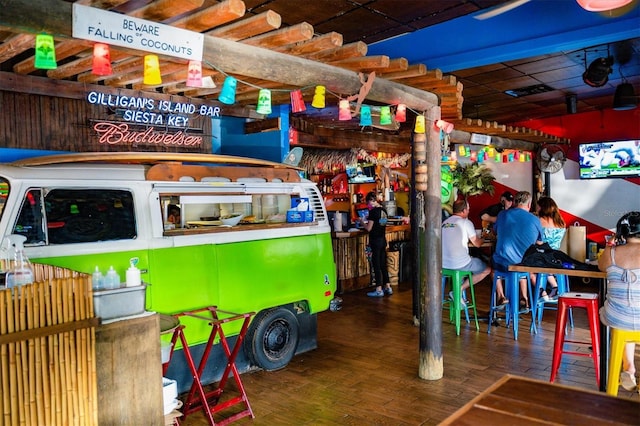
(578,242)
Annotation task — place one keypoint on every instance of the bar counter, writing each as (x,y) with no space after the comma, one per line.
(351,261)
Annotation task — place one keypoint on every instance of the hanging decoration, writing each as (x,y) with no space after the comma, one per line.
(344,111)
(264,102)
(391,160)
(401,113)
(420,126)
(364,90)
(101,59)
(297,101)
(152,70)
(45,52)
(385,115)
(194,74)
(228,92)
(318,97)
(365,116)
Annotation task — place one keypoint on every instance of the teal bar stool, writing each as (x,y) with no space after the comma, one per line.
(456,278)
(511,285)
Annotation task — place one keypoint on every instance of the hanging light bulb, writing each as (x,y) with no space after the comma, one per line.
(365,115)
(228,93)
(318,97)
(264,102)
(401,113)
(297,101)
(194,74)
(420,124)
(45,52)
(344,111)
(385,115)
(151,70)
(101,59)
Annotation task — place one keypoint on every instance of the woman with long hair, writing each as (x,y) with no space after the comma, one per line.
(554,229)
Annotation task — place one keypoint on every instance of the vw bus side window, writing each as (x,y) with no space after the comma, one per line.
(30,221)
(78,216)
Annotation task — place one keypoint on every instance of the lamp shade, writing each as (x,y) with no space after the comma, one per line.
(228,93)
(420,126)
(45,52)
(401,113)
(365,116)
(297,101)
(598,72)
(194,74)
(101,59)
(151,70)
(625,97)
(318,97)
(264,102)
(602,5)
(344,111)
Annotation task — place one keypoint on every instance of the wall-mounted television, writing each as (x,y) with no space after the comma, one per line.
(361,173)
(610,159)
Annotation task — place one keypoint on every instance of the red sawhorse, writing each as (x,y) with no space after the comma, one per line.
(210,402)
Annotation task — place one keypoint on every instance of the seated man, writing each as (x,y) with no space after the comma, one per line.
(490,214)
(517,229)
(457,232)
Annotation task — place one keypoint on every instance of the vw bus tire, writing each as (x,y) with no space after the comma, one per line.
(272,339)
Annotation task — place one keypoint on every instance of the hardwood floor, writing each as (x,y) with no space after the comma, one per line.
(365,370)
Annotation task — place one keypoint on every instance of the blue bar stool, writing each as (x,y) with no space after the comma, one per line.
(512,292)
(538,305)
(456,278)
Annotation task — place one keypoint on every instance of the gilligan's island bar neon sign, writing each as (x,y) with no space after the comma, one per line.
(143,111)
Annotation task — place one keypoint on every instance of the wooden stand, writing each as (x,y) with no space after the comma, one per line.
(129,372)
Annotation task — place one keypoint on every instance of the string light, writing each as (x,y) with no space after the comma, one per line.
(101,59)
(45,52)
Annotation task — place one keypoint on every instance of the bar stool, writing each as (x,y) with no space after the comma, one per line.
(588,301)
(512,292)
(618,340)
(457,277)
(538,305)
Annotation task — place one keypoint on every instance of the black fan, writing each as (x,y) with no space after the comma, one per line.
(551,158)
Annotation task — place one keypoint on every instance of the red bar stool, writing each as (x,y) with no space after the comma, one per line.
(618,340)
(588,301)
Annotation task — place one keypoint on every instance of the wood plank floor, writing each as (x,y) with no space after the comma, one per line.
(365,370)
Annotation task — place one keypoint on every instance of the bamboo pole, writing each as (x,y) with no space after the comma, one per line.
(5,419)
(20,365)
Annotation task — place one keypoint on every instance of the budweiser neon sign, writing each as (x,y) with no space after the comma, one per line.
(121,133)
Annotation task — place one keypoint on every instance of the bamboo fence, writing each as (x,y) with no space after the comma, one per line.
(47,351)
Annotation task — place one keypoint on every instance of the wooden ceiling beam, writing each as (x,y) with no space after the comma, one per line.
(15,45)
(213,16)
(363,64)
(395,65)
(250,27)
(55,17)
(282,37)
(350,50)
(315,45)
(415,70)
(102,4)
(82,64)
(64,50)
(161,10)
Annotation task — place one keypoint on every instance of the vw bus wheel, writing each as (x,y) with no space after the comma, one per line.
(272,339)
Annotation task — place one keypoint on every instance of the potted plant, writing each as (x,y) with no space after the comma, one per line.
(468,180)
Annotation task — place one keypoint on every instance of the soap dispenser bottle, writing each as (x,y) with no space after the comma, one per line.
(20,272)
(133,273)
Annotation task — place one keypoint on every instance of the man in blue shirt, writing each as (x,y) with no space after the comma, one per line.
(517,229)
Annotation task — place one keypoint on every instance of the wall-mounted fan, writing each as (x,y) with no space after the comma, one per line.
(551,158)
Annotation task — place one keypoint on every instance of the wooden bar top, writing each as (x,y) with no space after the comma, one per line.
(562,271)
(515,400)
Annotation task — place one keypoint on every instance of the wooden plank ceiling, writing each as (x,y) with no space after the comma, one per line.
(254,23)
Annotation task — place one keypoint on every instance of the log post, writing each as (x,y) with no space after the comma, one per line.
(431,364)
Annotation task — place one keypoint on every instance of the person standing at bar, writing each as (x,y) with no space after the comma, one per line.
(621,308)
(376,225)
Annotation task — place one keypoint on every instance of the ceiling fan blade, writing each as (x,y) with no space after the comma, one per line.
(499,10)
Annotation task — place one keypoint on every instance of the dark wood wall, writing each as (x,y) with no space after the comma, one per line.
(31,121)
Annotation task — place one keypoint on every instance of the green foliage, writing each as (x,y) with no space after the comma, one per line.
(473,179)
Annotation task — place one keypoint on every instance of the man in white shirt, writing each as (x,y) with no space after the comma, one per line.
(457,232)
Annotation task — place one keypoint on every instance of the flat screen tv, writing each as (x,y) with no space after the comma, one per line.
(610,159)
